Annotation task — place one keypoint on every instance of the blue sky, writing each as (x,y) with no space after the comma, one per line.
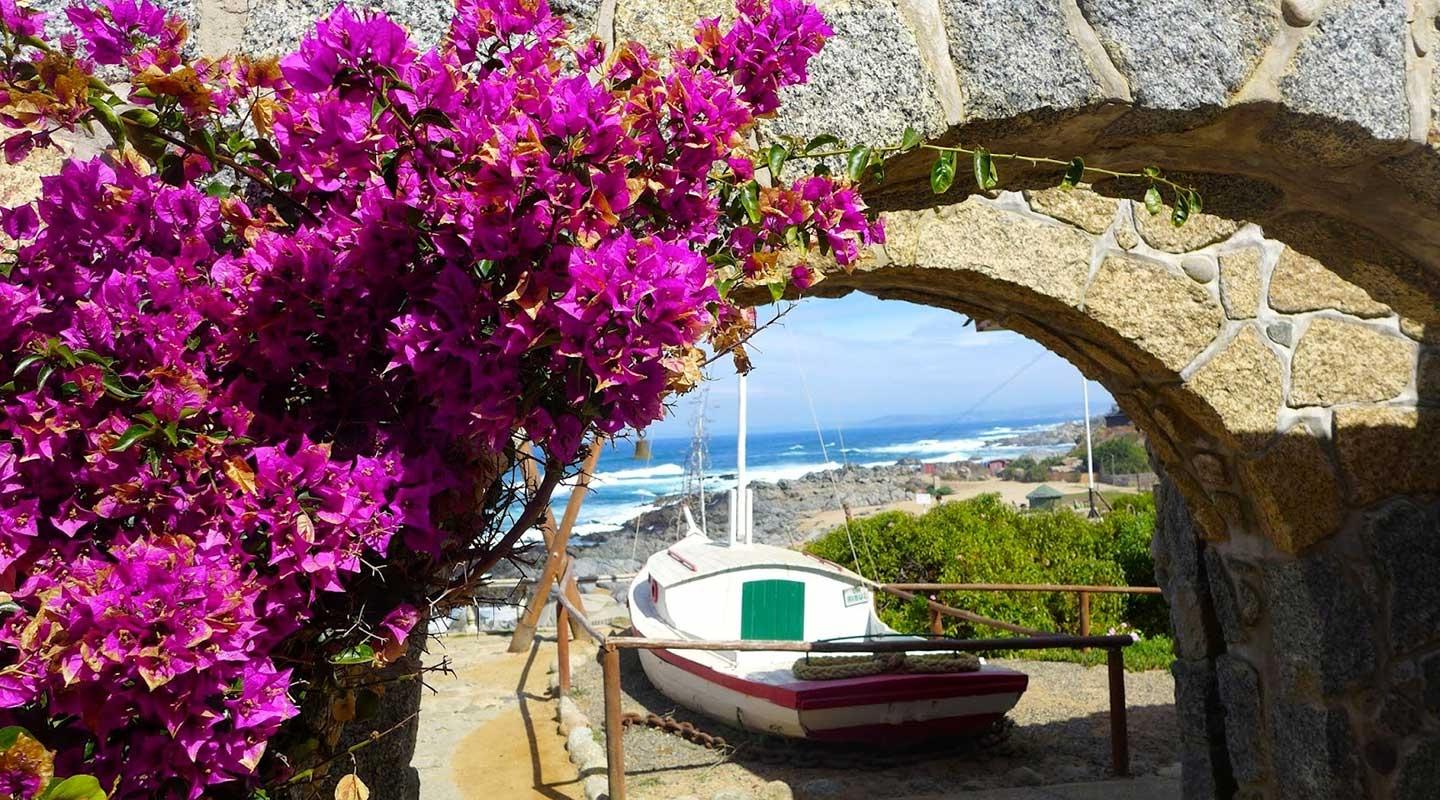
(864,358)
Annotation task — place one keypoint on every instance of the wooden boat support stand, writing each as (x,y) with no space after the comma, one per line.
(610,647)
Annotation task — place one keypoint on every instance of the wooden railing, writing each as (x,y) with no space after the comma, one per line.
(610,647)
(1083,593)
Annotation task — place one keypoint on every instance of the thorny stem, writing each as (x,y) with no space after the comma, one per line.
(721,353)
(1033,160)
(308,775)
(539,502)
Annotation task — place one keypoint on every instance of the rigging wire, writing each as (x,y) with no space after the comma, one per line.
(835,485)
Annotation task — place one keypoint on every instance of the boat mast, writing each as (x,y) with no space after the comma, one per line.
(741,517)
(1089,451)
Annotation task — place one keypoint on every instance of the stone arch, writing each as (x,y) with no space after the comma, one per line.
(1289,410)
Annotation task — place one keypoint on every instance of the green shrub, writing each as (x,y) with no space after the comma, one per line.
(1120,455)
(1129,526)
(985,540)
(1154,652)
(1027,470)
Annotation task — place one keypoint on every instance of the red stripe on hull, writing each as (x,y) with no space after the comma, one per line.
(863,691)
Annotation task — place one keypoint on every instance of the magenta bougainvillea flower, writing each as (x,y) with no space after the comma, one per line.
(251,377)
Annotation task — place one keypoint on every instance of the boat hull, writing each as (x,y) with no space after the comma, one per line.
(889,708)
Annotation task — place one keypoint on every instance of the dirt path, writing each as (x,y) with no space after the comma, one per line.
(488,732)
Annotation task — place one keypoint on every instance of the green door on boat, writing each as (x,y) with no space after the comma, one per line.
(772,609)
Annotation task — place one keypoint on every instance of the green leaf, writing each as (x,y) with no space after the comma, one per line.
(910,140)
(1181,211)
(44,376)
(942,174)
(436,117)
(109,119)
(750,200)
(1153,201)
(821,141)
(857,161)
(877,168)
(359,654)
(985,176)
(389,172)
(1073,173)
(76,787)
(143,117)
(218,189)
(10,735)
(1194,200)
(1151,172)
(206,143)
(115,387)
(777,290)
(26,362)
(66,354)
(775,159)
(132,434)
(172,433)
(821,168)
(92,357)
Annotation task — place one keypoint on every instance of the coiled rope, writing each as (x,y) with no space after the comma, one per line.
(841,667)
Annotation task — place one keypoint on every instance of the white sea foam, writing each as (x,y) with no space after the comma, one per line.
(926,447)
(640,473)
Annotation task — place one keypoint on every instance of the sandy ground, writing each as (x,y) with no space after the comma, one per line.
(1009,491)
(1061,734)
(488,731)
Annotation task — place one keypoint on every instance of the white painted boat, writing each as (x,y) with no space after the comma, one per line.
(700,589)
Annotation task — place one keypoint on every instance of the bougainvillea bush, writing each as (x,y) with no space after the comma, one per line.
(265,360)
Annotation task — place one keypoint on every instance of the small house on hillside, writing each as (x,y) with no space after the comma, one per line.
(995,466)
(1044,497)
(1117,418)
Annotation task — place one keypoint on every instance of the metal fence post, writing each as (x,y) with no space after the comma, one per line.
(1119,727)
(614,735)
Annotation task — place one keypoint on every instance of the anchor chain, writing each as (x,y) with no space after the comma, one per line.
(669,724)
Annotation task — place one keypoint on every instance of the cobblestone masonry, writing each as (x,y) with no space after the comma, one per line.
(1279,349)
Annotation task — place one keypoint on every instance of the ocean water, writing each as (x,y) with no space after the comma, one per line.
(624,487)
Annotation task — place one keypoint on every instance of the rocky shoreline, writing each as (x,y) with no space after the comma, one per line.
(781,508)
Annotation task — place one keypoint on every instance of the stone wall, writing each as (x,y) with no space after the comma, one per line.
(1279,349)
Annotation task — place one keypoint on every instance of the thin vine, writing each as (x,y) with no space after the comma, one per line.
(870,161)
